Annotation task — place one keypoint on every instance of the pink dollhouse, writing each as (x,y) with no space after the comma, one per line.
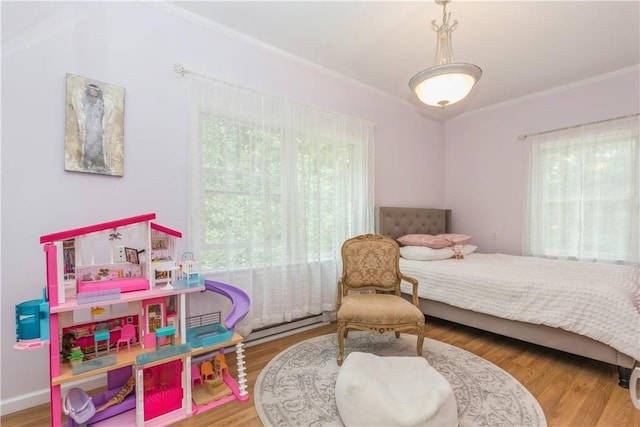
(117,300)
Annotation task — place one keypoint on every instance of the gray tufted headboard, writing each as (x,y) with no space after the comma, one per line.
(395,222)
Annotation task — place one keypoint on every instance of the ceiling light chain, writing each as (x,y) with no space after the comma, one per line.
(447,82)
(445,19)
(444,48)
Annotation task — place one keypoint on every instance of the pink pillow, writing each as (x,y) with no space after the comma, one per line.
(457,239)
(434,242)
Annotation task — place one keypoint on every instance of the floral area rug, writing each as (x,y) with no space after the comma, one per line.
(297,387)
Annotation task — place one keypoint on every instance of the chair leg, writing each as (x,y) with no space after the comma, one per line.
(341,335)
(420,333)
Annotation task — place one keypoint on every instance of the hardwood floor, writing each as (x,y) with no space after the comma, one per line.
(572,391)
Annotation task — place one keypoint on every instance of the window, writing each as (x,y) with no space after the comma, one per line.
(583,192)
(277,187)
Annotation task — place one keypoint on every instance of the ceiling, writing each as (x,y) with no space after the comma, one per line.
(523,47)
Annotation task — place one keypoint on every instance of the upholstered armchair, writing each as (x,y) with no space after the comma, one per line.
(372,262)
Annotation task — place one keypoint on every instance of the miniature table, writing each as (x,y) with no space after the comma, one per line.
(167,331)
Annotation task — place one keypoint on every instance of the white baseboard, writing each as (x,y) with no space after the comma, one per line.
(42,396)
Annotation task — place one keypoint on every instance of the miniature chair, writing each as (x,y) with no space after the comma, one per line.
(127,335)
(371,262)
(206,370)
(220,365)
(101,336)
(78,406)
(195,376)
(189,268)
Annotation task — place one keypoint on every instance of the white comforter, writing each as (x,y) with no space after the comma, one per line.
(601,301)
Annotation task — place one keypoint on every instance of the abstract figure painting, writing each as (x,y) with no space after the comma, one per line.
(94,141)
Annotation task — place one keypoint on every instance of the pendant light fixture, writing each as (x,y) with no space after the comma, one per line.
(448,81)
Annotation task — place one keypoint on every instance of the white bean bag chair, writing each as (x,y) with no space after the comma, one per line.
(393,391)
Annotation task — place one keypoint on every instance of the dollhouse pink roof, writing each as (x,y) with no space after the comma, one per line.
(69,234)
(165,230)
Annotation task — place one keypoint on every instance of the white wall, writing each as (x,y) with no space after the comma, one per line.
(486,163)
(135,45)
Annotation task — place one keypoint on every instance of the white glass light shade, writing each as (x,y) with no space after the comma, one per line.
(445,84)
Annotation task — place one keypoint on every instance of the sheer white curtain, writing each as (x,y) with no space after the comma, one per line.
(584,185)
(276,188)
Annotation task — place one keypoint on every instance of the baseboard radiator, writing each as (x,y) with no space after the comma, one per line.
(280,330)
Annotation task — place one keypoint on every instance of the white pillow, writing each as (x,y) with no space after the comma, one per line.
(434,242)
(423,253)
(468,249)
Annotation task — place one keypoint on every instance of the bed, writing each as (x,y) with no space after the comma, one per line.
(605,327)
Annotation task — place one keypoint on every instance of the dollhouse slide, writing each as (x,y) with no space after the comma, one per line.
(240,300)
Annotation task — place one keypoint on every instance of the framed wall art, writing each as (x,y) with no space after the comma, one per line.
(158,243)
(131,255)
(94,128)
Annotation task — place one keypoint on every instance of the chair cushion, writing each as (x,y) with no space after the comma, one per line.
(378,309)
(393,391)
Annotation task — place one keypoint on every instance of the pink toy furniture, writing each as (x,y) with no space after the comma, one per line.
(125,285)
(127,335)
(195,376)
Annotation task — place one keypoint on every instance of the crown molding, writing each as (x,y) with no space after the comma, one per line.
(222,30)
(557,89)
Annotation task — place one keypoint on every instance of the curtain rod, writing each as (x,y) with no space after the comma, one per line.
(525,136)
(179,68)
